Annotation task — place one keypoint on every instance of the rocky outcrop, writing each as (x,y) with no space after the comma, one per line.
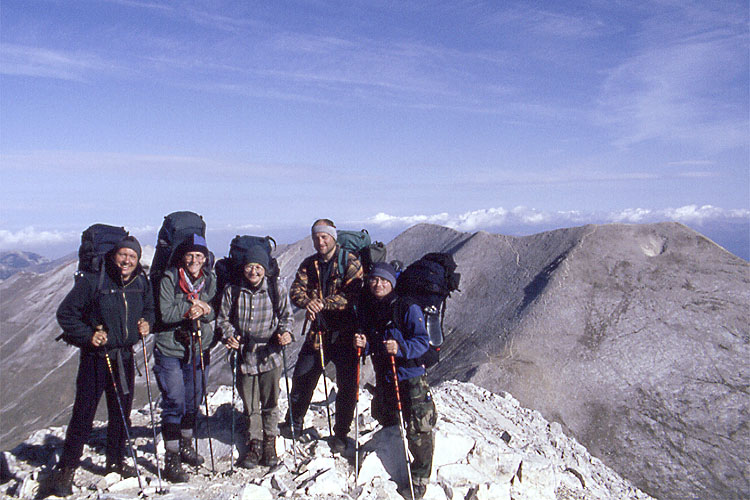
(487,448)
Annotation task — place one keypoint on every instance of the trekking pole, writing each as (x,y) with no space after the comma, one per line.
(401,428)
(161,490)
(205,398)
(196,396)
(124,419)
(318,318)
(356,422)
(325,382)
(288,400)
(233,364)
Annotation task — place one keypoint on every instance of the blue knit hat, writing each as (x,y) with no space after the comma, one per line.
(194,243)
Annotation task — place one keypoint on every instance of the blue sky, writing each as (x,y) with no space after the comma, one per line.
(513,117)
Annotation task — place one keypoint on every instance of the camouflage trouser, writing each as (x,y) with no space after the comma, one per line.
(420,416)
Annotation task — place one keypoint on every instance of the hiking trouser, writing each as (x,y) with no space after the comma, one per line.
(306,374)
(260,397)
(180,393)
(420,416)
(93,379)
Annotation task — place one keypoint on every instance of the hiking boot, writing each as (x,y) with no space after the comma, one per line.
(173,468)
(419,491)
(123,469)
(288,430)
(253,454)
(62,481)
(269,459)
(188,453)
(338,444)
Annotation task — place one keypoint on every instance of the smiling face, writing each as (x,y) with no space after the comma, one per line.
(254,273)
(192,262)
(324,244)
(379,287)
(126,260)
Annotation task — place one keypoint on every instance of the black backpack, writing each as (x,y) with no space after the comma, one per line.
(176,228)
(360,244)
(428,282)
(96,242)
(229,269)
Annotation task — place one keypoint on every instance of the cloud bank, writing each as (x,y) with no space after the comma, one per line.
(533,220)
(728,227)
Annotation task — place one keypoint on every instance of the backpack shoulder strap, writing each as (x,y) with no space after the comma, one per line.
(273,294)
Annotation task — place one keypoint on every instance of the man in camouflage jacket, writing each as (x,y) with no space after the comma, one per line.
(327,294)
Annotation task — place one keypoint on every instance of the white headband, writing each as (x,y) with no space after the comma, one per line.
(322,228)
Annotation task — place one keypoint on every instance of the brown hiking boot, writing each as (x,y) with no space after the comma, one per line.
(173,468)
(252,455)
(269,458)
(188,453)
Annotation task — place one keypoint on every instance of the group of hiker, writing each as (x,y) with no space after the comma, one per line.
(352,310)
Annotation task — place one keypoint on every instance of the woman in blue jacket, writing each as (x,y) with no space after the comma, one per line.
(393,330)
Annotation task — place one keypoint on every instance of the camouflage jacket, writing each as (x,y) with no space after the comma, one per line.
(340,291)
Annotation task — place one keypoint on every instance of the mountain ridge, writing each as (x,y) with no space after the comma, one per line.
(604,329)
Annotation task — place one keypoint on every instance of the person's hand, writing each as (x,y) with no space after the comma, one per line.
(313,308)
(360,340)
(391,347)
(198,309)
(100,336)
(143,327)
(284,338)
(233,343)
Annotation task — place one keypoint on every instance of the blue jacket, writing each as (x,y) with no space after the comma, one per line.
(104,299)
(381,321)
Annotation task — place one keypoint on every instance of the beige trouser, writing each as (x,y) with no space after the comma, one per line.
(260,396)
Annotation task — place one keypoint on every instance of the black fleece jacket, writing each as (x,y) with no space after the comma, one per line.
(104,299)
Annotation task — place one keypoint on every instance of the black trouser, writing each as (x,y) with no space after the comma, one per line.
(93,379)
(305,378)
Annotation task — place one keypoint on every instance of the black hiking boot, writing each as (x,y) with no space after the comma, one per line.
(188,453)
(173,468)
(252,455)
(123,469)
(269,458)
(62,481)
(338,444)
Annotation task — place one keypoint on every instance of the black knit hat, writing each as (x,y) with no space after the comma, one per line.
(128,242)
(256,255)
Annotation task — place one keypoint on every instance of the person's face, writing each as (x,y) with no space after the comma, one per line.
(324,244)
(126,260)
(193,262)
(379,287)
(254,274)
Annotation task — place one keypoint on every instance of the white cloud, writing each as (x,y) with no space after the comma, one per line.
(48,63)
(532,219)
(29,236)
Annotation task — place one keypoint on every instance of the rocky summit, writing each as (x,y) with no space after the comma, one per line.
(488,447)
(634,339)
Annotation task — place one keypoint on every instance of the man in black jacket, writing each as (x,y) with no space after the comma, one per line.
(104,313)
